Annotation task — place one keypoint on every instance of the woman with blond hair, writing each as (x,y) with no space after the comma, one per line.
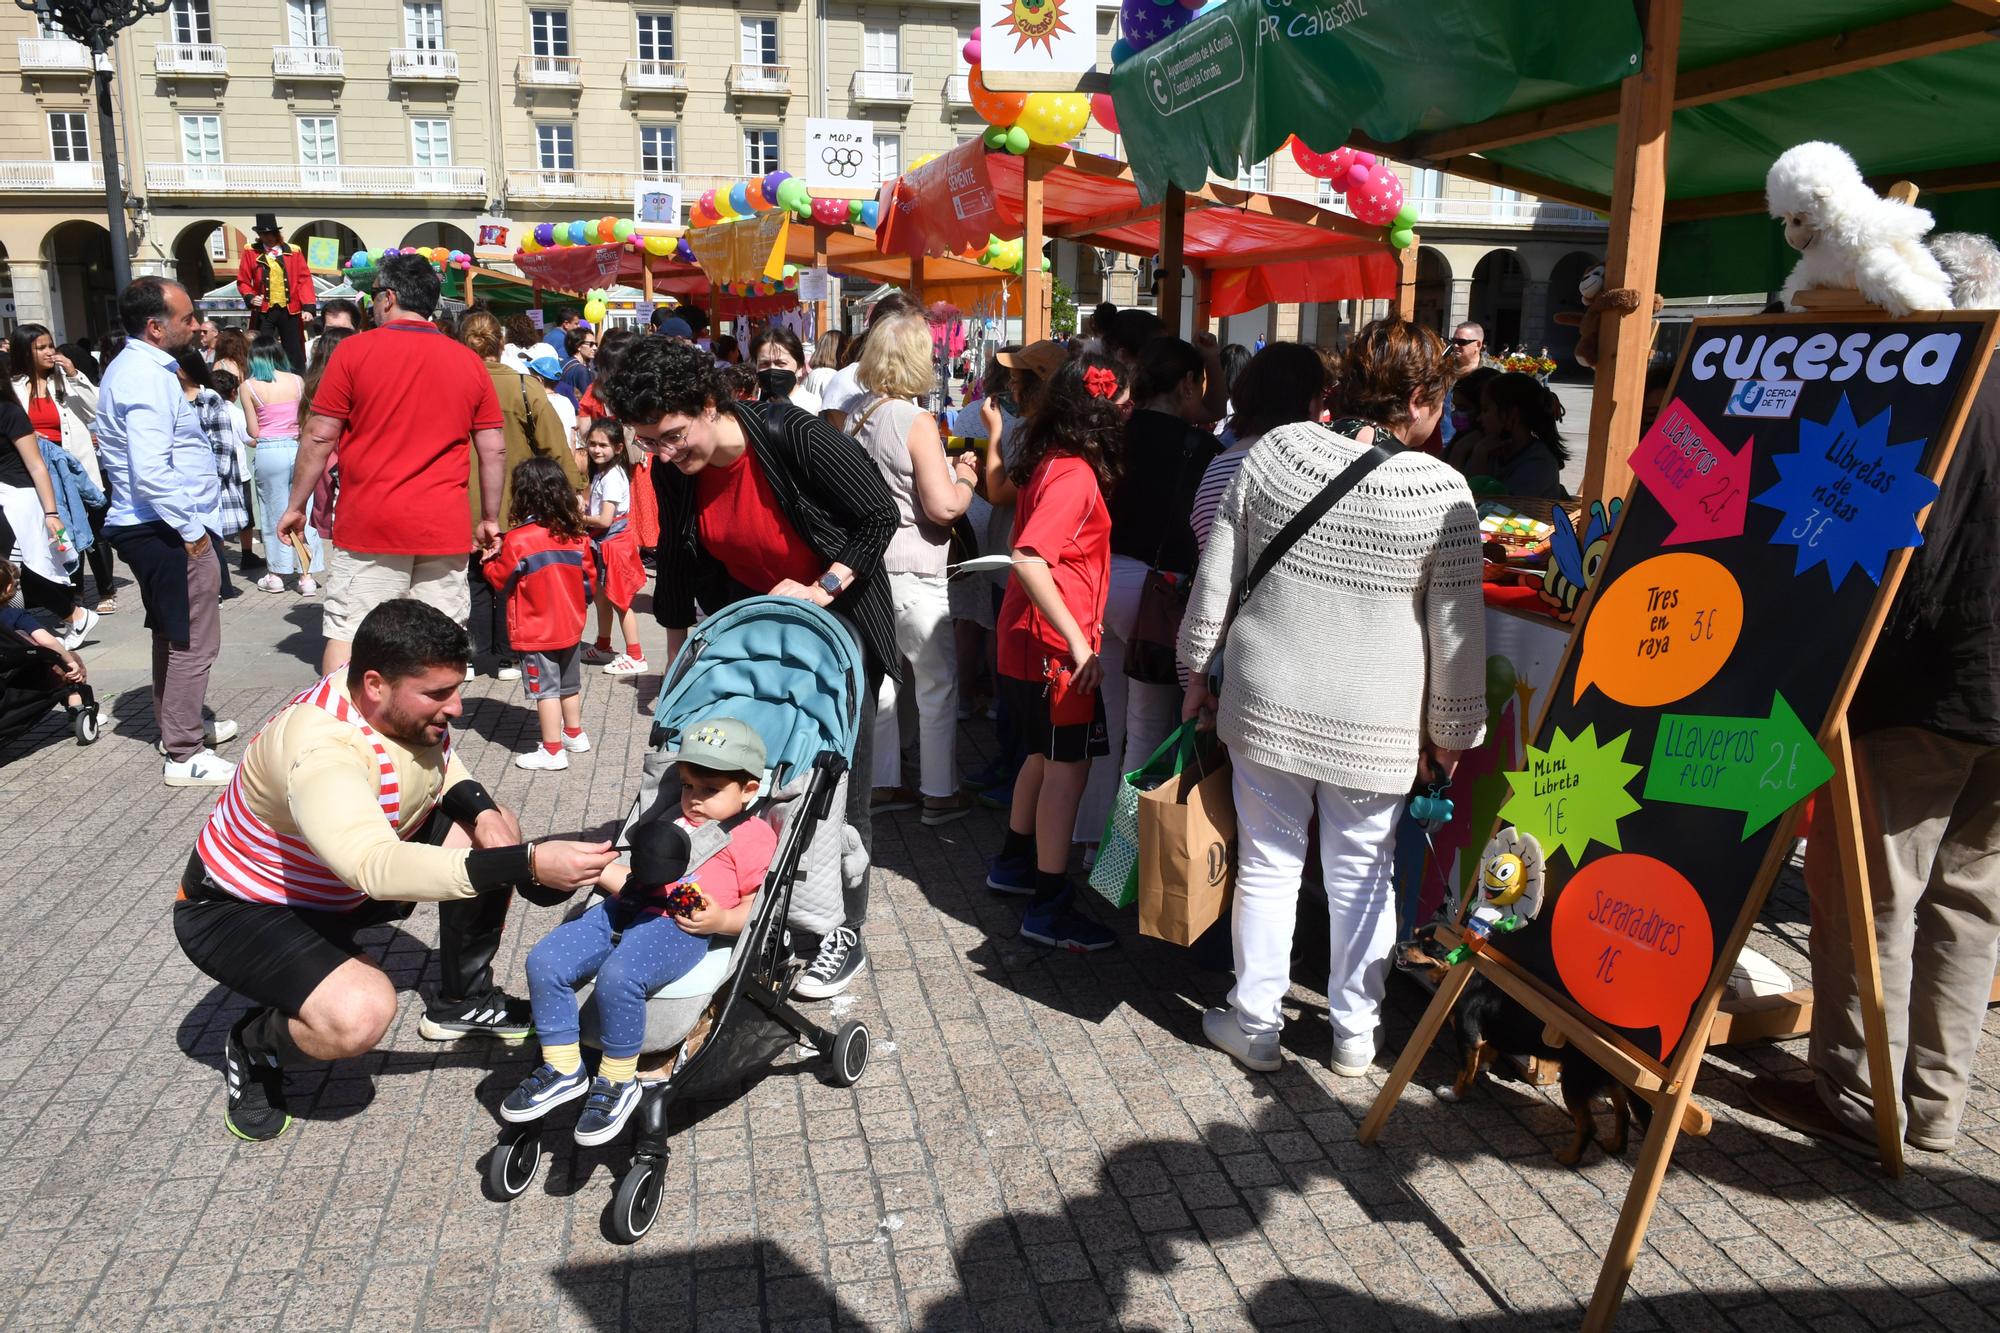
(931,492)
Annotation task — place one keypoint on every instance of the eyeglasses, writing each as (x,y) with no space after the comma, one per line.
(1465,342)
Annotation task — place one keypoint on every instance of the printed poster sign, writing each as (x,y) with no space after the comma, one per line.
(840,158)
(657,201)
(494,238)
(323,254)
(1036,45)
(743,250)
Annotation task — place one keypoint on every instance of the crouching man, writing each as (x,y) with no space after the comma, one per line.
(347,810)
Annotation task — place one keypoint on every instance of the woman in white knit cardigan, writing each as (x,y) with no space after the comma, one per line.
(1358,664)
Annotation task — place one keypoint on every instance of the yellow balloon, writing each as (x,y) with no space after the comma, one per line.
(1053,118)
(920,161)
(659,245)
(594,312)
(529,243)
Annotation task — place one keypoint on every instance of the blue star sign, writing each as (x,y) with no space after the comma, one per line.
(1848,496)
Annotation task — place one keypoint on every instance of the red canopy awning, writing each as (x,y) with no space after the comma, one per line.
(1256,249)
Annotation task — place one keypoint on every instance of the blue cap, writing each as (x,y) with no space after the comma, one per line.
(675,327)
(547,367)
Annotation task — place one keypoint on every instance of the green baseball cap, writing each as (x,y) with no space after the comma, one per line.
(724,745)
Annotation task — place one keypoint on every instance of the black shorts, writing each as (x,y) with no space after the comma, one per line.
(276,956)
(1028,709)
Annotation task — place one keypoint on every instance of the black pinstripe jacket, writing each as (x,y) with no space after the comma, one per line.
(833,495)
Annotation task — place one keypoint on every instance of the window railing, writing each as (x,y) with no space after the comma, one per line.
(422,62)
(958,90)
(190,58)
(55,53)
(668,75)
(551,71)
(308,62)
(307,178)
(883,85)
(761,80)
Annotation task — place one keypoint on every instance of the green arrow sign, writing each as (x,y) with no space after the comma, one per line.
(1762,767)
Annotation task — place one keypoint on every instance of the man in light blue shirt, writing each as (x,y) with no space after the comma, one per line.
(166,503)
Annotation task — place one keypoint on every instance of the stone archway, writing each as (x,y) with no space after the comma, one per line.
(206,253)
(1433,297)
(1563,299)
(432,234)
(83,295)
(1499,286)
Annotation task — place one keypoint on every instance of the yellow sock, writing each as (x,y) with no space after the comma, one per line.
(619,1071)
(564,1059)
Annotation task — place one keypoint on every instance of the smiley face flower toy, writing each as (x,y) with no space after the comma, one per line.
(1509,892)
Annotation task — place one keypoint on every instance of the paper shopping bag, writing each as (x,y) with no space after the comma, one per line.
(1187,851)
(1115,874)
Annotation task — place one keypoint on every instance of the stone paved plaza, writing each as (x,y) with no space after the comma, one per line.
(1040,1139)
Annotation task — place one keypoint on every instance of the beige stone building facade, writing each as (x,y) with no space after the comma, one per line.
(399,122)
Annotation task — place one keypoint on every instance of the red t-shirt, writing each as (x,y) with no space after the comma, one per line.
(1060,515)
(411,398)
(740,524)
(46,417)
(737,871)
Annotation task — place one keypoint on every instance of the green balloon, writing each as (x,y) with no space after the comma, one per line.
(994,137)
(854,210)
(622,229)
(1017,141)
(1402,238)
(1406,216)
(791,193)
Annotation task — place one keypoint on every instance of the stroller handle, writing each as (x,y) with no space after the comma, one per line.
(827,771)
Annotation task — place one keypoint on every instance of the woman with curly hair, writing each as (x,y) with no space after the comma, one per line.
(759,497)
(1050,631)
(1356,664)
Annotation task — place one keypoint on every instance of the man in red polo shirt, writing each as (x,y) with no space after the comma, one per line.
(400,402)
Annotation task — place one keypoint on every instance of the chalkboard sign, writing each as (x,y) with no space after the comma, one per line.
(1787,468)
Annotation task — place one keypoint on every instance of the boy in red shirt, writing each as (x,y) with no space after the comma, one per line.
(660,912)
(1048,635)
(543,572)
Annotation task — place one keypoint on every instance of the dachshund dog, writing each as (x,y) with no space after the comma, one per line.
(1488,1022)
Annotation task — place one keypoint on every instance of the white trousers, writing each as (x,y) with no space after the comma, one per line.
(924,641)
(1138,715)
(1357,849)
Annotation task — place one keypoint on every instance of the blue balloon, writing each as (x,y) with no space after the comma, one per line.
(359,259)
(739,199)
(577,233)
(870,211)
(545,234)
(1121,51)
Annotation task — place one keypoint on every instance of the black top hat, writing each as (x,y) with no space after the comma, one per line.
(266,222)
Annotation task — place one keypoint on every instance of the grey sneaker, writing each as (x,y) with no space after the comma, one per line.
(1257,1051)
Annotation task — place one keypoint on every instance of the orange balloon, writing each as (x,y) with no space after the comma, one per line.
(754,189)
(1001,109)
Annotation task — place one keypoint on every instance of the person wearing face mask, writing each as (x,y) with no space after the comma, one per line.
(780,360)
(1164,454)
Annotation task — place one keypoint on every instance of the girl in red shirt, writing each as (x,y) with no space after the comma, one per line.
(1050,628)
(544,572)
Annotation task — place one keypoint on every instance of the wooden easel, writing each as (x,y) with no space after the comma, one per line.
(1669,1088)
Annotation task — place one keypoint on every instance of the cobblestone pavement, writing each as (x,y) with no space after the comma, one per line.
(1040,1139)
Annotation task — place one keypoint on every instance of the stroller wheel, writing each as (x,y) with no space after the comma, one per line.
(515,1160)
(637,1202)
(849,1055)
(85,725)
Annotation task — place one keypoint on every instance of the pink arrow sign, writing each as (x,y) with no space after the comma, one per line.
(1704,487)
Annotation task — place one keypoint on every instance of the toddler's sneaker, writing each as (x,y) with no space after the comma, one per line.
(1011,874)
(1057,924)
(625,665)
(593,654)
(577,744)
(539,759)
(543,1091)
(606,1110)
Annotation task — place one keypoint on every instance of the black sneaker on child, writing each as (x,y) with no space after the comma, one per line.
(494,1014)
(255,1086)
(841,958)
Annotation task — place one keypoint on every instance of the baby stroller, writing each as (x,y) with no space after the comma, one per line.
(794,673)
(29,688)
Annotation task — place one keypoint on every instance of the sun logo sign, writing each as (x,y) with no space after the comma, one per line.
(1034,21)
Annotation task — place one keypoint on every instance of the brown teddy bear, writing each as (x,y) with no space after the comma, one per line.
(1597,304)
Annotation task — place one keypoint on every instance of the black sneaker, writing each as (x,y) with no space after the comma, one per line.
(494,1014)
(842,957)
(256,1087)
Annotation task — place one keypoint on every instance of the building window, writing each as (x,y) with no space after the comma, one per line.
(423,25)
(1257,176)
(218,245)
(430,143)
(881,49)
(548,32)
(760,152)
(760,43)
(189,22)
(319,142)
(1426,183)
(656,36)
(659,151)
(888,156)
(201,140)
(69,136)
(555,146)
(305,20)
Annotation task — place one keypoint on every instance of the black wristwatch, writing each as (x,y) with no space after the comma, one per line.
(829,583)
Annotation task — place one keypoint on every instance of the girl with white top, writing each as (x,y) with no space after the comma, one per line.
(780,360)
(614,548)
(930,493)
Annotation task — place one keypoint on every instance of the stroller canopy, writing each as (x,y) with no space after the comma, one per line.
(783,665)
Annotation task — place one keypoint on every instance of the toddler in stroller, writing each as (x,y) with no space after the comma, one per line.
(789,675)
(37,673)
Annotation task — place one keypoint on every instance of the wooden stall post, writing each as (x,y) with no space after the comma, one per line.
(1173,255)
(1204,299)
(1034,283)
(823,308)
(468,285)
(1851,844)
(645,277)
(1638,207)
(917,276)
(1406,281)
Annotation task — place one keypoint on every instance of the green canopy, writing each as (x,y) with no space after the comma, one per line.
(1526,95)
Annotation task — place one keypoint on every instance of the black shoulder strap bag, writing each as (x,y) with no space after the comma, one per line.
(1163,599)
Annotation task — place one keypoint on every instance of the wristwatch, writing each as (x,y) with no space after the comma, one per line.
(829,583)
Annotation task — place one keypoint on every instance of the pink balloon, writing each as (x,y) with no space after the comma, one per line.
(1365,159)
(1377,202)
(1338,163)
(1357,178)
(973,48)
(1320,166)
(1104,111)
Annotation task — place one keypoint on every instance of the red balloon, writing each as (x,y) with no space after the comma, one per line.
(1320,166)
(830,212)
(1104,111)
(1377,201)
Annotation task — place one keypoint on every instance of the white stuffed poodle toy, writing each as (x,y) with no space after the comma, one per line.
(1848,236)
